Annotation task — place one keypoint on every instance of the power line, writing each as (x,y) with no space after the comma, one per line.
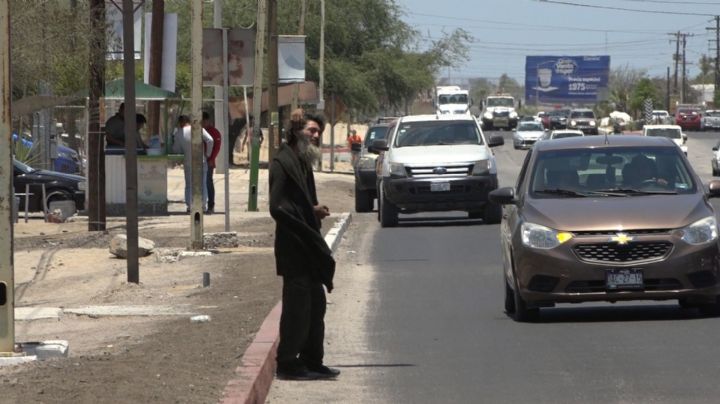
(635,10)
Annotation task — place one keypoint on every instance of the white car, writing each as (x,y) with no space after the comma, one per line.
(526,134)
(716,161)
(673,132)
(437,163)
(660,116)
(710,120)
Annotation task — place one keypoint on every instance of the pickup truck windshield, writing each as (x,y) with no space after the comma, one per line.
(500,102)
(431,133)
(582,114)
(452,99)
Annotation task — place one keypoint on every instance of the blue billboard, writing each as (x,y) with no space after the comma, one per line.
(566,79)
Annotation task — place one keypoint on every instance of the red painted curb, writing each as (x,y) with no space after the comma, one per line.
(257,369)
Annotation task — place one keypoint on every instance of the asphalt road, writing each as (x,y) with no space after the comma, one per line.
(434,330)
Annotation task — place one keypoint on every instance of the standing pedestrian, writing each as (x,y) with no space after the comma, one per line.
(115,129)
(302,257)
(217,138)
(355,144)
(183,145)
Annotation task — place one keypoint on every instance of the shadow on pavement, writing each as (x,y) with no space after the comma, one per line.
(618,314)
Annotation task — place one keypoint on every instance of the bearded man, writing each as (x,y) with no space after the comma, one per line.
(302,257)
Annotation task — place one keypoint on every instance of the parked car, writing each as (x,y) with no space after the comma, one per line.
(583,120)
(660,117)
(526,134)
(616,219)
(710,120)
(560,134)
(688,118)
(365,174)
(673,132)
(58,187)
(437,163)
(67,160)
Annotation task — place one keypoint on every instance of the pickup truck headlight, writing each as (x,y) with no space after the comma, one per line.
(593,123)
(701,232)
(367,163)
(541,237)
(487,115)
(484,167)
(397,170)
(82,185)
(513,115)
(573,123)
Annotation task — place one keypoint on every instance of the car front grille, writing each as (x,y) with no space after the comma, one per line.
(615,253)
(597,286)
(501,114)
(640,232)
(440,171)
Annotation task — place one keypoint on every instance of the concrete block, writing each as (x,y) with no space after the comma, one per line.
(123,311)
(16,360)
(37,313)
(192,254)
(46,349)
(118,246)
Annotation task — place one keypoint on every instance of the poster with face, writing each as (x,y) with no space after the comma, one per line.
(241,56)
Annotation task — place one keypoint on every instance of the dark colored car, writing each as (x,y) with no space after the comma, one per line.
(556,119)
(58,187)
(688,118)
(620,219)
(365,174)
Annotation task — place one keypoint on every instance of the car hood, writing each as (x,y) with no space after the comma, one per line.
(617,213)
(529,134)
(428,155)
(499,109)
(59,175)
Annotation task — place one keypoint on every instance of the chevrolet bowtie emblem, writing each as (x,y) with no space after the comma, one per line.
(622,238)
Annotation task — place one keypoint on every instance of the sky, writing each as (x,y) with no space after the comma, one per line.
(505,31)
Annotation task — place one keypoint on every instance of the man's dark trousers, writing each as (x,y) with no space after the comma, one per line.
(302,325)
(210,188)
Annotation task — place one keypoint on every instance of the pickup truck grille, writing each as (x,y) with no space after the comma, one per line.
(440,171)
(501,114)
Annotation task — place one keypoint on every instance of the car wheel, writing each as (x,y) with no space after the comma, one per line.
(686,305)
(709,309)
(388,212)
(715,172)
(523,313)
(516,147)
(509,300)
(475,214)
(363,201)
(492,214)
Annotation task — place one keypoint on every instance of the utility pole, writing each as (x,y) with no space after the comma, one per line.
(196,143)
(716,28)
(684,69)
(96,139)
(7,277)
(301,31)
(321,85)
(676,59)
(222,116)
(131,177)
(667,91)
(257,104)
(156,52)
(273,73)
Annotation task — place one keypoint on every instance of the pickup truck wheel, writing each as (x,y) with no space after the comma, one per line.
(363,200)
(388,213)
(492,213)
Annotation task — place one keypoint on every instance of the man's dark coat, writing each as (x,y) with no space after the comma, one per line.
(300,249)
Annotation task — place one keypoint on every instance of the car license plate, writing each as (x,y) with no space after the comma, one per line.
(617,279)
(439,186)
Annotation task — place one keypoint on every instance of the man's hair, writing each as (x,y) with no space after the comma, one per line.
(183,119)
(140,119)
(317,118)
(206,116)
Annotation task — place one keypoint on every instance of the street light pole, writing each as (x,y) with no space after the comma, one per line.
(257,104)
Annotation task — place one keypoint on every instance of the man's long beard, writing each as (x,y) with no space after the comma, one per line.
(308,152)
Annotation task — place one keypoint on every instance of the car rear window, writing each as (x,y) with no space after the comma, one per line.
(582,170)
(428,133)
(672,133)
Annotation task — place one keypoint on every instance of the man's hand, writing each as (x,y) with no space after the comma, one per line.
(321,211)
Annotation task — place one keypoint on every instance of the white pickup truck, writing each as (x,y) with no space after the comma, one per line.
(437,163)
(673,132)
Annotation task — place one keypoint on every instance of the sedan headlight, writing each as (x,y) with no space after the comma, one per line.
(701,232)
(484,167)
(541,237)
(488,115)
(82,185)
(397,170)
(573,123)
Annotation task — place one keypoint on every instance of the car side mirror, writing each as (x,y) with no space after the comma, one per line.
(379,145)
(495,141)
(506,196)
(714,189)
(715,148)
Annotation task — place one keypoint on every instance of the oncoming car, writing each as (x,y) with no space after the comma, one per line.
(594,219)
(527,133)
(437,163)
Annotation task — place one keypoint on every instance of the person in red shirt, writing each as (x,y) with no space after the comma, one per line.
(215,134)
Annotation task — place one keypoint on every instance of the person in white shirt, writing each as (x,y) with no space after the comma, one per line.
(182,145)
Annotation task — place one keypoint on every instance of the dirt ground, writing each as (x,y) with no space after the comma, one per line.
(138,359)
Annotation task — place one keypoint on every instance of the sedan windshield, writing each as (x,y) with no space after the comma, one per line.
(627,171)
(530,127)
(437,133)
(665,132)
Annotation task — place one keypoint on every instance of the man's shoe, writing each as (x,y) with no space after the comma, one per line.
(297,374)
(210,211)
(324,372)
